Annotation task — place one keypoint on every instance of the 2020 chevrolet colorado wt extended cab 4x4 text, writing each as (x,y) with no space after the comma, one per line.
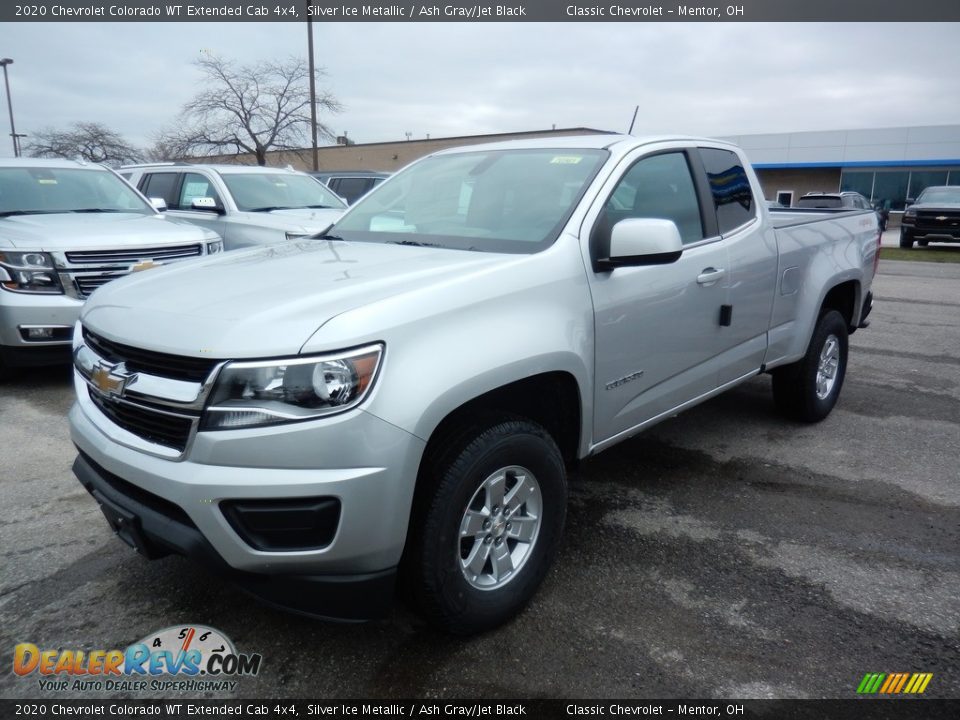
(399,396)
(66,228)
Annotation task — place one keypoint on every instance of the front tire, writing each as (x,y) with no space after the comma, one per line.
(490,515)
(906,240)
(808,389)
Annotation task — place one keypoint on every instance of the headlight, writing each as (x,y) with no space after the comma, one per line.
(253,394)
(910,214)
(214,247)
(29,272)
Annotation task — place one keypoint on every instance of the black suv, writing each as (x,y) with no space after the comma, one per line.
(932,217)
(351,185)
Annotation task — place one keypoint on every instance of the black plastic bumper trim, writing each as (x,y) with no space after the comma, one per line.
(155,527)
(39,355)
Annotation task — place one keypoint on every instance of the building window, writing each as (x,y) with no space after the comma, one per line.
(861,182)
(891,186)
(921,179)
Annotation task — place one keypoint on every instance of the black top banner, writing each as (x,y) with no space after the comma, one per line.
(471,11)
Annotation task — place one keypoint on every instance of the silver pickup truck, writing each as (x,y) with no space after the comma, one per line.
(66,228)
(398,398)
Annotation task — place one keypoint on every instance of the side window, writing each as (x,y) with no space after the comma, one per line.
(659,186)
(161,185)
(730,186)
(195,186)
(351,188)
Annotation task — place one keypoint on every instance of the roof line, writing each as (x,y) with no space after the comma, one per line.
(858,163)
(455,137)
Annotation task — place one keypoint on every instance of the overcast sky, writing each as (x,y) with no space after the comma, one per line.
(463,79)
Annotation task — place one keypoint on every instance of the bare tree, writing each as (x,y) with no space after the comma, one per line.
(91,141)
(247,109)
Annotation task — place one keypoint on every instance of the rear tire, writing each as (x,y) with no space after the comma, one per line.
(487,526)
(808,389)
(906,240)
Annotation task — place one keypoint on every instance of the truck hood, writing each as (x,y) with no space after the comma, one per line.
(99,231)
(266,301)
(952,207)
(306,220)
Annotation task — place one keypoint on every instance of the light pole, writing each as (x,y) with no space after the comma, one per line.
(6,81)
(313,93)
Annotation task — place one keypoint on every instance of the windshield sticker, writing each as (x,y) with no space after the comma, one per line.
(566,160)
(46,181)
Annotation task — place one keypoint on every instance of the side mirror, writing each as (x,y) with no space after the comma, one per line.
(159,204)
(207,204)
(643,241)
(911,201)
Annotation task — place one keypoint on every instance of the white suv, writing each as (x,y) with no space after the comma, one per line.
(245,205)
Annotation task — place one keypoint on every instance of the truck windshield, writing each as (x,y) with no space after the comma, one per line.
(940,195)
(511,201)
(265,192)
(48,190)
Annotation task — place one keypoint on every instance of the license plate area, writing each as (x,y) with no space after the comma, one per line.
(128,528)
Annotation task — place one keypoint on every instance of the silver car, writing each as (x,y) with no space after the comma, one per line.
(67,228)
(397,399)
(245,205)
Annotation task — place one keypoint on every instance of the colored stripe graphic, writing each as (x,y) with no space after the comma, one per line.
(894,683)
(903,680)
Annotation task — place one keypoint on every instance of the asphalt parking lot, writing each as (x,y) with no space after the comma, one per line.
(726,553)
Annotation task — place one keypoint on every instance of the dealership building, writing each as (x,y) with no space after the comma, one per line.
(886,165)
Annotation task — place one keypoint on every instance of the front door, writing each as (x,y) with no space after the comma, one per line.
(657,328)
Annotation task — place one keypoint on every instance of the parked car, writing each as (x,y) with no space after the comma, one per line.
(399,396)
(66,229)
(246,205)
(351,185)
(932,217)
(845,199)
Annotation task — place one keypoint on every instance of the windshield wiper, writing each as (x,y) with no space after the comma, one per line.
(8,213)
(413,242)
(99,210)
(271,208)
(324,236)
(318,207)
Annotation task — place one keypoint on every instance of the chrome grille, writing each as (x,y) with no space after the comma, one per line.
(939,219)
(156,426)
(134,255)
(176,367)
(86,284)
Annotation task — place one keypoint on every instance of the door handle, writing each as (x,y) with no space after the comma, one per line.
(708,276)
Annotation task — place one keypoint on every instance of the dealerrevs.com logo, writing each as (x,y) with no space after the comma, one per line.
(182,657)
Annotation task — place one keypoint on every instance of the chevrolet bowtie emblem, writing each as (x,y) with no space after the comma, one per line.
(941,218)
(145,265)
(109,379)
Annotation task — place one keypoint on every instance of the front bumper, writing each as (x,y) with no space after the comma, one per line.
(23,310)
(155,528)
(925,232)
(366,464)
